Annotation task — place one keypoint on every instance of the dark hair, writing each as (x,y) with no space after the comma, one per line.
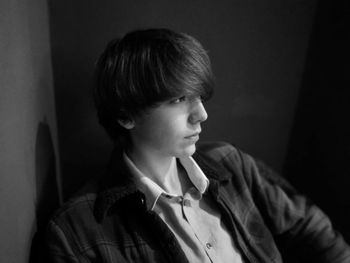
(144,68)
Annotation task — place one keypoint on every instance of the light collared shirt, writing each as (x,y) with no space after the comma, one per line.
(193,218)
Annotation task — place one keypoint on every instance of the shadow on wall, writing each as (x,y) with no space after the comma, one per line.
(47,197)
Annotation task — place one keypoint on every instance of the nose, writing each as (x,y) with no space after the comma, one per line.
(198,113)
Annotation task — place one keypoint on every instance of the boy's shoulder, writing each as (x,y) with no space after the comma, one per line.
(219,150)
(79,205)
(219,160)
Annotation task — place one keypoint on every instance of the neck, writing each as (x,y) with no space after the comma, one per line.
(163,170)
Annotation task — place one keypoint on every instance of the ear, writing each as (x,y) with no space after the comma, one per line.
(126,123)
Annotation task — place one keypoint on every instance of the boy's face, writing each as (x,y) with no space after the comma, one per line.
(170,129)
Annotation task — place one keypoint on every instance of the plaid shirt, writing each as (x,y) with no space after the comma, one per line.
(109,222)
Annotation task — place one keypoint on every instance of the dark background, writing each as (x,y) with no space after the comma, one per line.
(318,156)
(281,93)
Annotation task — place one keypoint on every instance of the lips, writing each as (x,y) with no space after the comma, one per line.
(194,135)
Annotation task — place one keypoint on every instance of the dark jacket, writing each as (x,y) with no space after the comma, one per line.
(109,222)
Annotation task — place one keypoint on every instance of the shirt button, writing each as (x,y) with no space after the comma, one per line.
(187,202)
(208,245)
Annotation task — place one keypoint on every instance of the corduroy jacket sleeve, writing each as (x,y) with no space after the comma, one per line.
(293,218)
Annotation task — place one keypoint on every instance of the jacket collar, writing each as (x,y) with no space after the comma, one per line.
(114,185)
(117,183)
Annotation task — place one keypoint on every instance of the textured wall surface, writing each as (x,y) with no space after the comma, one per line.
(27,151)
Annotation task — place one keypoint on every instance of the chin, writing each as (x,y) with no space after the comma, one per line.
(187,151)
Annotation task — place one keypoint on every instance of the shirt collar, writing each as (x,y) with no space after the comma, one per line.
(153,191)
(117,182)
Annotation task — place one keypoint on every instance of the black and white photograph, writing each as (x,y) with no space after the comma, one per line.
(161,131)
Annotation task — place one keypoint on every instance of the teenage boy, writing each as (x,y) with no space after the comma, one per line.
(166,199)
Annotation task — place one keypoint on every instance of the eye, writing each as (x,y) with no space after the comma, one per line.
(178,100)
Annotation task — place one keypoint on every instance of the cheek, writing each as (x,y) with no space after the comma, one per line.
(163,129)
(158,132)
(175,127)
(169,133)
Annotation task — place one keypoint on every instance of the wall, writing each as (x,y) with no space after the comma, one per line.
(317,159)
(257,49)
(28,145)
